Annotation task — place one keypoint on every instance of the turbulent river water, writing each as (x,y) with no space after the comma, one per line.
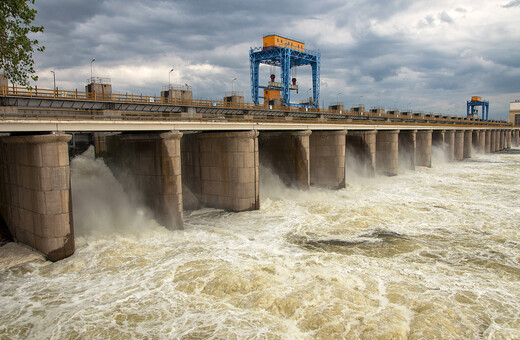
(429,254)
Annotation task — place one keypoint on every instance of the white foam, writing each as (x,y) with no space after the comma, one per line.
(425,254)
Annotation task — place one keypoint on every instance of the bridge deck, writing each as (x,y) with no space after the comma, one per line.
(24,109)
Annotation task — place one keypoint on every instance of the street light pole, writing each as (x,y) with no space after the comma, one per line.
(308,101)
(169,79)
(232,86)
(337,98)
(93,60)
(54,88)
(360,100)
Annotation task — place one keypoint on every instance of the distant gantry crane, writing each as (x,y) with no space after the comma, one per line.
(471,108)
(287,54)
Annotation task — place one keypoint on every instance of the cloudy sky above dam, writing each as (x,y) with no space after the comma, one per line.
(427,56)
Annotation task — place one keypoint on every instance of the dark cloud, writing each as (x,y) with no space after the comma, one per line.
(445,17)
(512,3)
(393,52)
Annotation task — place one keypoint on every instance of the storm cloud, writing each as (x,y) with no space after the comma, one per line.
(422,55)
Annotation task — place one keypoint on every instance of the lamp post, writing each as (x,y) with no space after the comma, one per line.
(308,100)
(337,98)
(232,86)
(169,79)
(408,107)
(91,63)
(360,100)
(54,88)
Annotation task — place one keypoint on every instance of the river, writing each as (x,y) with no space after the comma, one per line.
(430,254)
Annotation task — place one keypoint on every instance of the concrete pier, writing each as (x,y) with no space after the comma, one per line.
(327,158)
(475,140)
(508,139)
(229,170)
(287,153)
(220,170)
(449,145)
(387,152)
(459,145)
(468,143)
(407,148)
(487,147)
(516,137)
(361,153)
(493,147)
(423,154)
(35,193)
(152,163)
(482,141)
(498,141)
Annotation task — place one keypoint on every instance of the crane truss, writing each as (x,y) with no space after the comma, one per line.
(285,58)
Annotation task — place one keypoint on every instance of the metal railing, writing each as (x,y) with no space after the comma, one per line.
(178,87)
(132,98)
(99,80)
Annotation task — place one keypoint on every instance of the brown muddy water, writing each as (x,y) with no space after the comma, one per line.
(429,254)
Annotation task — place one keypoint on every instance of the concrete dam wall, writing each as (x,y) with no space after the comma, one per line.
(176,171)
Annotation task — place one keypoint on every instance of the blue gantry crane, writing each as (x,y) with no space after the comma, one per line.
(473,104)
(287,54)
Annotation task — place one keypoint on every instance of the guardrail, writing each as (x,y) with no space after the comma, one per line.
(132,98)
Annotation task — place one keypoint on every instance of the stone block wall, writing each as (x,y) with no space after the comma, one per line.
(361,153)
(482,141)
(423,155)
(459,145)
(327,158)
(229,170)
(152,162)
(493,141)
(468,143)
(100,143)
(487,146)
(475,139)
(387,152)
(288,154)
(35,193)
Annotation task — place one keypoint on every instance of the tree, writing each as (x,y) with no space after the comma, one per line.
(16,47)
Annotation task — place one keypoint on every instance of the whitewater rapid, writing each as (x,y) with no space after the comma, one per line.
(429,254)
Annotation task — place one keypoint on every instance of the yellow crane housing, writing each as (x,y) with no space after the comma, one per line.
(275,40)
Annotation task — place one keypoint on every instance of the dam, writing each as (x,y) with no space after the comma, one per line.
(187,154)
(183,154)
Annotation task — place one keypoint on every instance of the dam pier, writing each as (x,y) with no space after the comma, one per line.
(184,154)
(178,170)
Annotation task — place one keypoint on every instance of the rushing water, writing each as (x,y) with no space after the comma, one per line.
(429,254)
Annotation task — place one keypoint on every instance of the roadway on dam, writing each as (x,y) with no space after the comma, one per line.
(101,125)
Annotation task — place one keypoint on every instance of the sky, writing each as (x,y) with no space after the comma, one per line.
(429,56)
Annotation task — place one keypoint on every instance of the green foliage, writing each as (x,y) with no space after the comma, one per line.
(16,47)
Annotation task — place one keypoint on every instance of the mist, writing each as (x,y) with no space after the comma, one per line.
(101,205)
